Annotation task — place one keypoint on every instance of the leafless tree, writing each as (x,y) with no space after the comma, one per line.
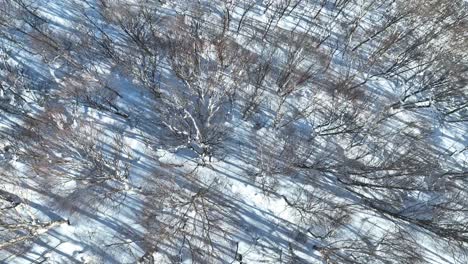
(210,75)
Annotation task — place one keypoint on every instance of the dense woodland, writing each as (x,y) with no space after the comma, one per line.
(136,129)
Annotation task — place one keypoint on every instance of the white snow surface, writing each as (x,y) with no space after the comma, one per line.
(263,228)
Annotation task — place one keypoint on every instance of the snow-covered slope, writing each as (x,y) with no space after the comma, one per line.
(281,131)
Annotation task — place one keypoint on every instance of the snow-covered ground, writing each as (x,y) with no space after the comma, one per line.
(107,158)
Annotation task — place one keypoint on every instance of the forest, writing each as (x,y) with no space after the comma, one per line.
(234,131)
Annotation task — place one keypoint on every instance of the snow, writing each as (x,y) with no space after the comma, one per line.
(261,222)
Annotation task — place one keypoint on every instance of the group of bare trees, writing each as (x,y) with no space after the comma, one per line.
(342,91)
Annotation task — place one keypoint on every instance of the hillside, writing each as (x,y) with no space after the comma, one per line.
(240,132)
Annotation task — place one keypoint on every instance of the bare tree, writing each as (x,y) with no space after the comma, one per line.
(210,77)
